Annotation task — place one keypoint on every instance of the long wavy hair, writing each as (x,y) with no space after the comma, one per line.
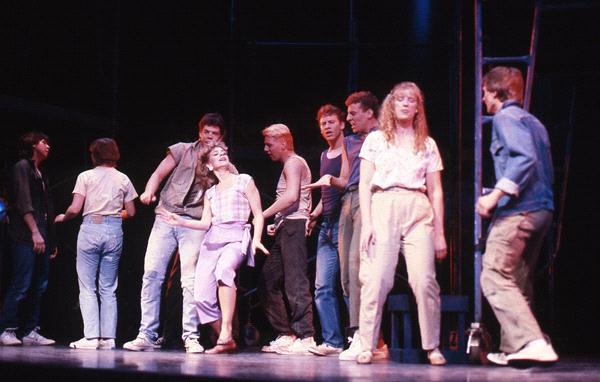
(387,117)
(207,176)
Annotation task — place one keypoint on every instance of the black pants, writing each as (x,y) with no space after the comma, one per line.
(288,301)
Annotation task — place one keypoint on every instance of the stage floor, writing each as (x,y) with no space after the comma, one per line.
(26,363)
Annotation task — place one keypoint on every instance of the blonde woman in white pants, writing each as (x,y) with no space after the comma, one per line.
(402,209)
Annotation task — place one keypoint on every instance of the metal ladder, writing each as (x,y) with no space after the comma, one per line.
(478,339)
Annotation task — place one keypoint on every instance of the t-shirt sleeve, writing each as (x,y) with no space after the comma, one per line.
(435,159)
(130,193)
(244,180)
(369,148)
(177,151)
(80,186)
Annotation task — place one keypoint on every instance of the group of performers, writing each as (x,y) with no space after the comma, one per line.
(381,197)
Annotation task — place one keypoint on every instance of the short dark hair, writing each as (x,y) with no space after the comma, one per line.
(105,152)
(329,109)
(506,81)
(366,99)
(212,119)
(28,140)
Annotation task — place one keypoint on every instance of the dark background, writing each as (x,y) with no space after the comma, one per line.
(145,73)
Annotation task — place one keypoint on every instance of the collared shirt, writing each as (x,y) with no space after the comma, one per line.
(175,196)
(522,161)
(353,143)
(30,193)
(398,166)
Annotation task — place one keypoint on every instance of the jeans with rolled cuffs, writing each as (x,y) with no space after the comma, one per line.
(164,240)
(326,282)
(99,248)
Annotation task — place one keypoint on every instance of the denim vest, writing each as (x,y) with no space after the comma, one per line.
(522,161)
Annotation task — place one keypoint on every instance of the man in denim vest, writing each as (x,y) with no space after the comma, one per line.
(521,206)
(182,194)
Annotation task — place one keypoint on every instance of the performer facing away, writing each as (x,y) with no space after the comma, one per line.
(227,207)
(521,206)
(31,229)
(402,208)
(182,194)
(331,124)
(102,193)
(288,302)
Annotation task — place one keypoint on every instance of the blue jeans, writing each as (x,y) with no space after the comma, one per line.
(28,282)
(328,268)
(99,248)
(164,240)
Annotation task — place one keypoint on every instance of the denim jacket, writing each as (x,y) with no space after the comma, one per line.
(522,161)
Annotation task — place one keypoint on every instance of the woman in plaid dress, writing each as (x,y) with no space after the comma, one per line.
(227,207)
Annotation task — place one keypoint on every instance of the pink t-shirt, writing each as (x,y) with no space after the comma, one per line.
(105,190)
(398,166)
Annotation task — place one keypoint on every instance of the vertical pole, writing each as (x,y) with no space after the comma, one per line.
(456,74)
(478,161)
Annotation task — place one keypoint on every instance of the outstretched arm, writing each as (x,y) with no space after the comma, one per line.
(258,220)
(162,171)
(328,180)
(202,224)
(73,210)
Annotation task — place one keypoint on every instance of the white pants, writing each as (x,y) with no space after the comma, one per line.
(402,221)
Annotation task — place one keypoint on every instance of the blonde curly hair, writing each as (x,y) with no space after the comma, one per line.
(387,117)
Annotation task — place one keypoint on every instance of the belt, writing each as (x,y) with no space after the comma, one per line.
(100,219)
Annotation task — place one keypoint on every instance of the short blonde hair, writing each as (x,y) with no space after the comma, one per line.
(280,131)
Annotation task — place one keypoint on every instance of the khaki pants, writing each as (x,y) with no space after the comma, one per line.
(512,250)
(349,243)
(403,222)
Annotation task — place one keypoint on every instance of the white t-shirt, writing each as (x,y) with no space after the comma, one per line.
(398,166)
(105,190)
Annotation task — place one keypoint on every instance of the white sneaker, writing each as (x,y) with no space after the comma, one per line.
(193,346)
(324,350)
(364,358)
(106,344)
(497,358)
(9,338)
(84,343)
(537,351)
(36,339)
(299,346)
(141,343)
(283,340)
(353,351)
